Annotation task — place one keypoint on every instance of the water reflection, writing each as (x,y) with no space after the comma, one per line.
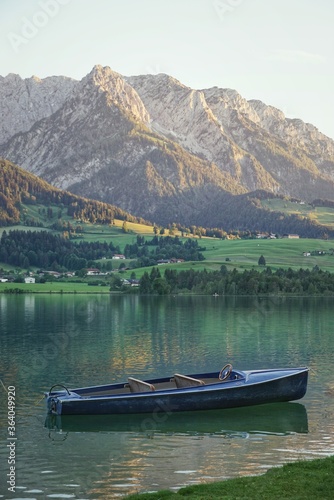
(84,340)
(280,418)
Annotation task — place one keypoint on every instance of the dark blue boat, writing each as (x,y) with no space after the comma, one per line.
(228,388)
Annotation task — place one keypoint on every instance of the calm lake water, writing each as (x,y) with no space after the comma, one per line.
(88,340)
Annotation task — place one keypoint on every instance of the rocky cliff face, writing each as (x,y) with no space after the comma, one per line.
(24,102)
(155,147)
(255,143)
(187,117)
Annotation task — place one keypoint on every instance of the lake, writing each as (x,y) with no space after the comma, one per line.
(79,340)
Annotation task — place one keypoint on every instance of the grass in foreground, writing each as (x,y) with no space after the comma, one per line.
(298,481)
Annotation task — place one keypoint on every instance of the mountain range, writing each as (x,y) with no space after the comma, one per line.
(159,149)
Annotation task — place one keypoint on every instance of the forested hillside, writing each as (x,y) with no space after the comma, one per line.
(227,214)
(17,187)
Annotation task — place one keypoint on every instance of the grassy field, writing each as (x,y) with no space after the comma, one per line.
(323,215)
(54,287)
(115,234)
(136,228)
(304,480)
(285,253)
(92,232)
(244,254)
(241,254)
(238,254)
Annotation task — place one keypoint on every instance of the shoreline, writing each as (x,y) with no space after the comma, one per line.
(306,479)
(55,289)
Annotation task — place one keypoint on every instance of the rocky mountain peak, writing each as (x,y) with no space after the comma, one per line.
(296,133)
(11,78)
(180,146)
(227,104)
(25,101)
(117,90)
(101,75)
(264,110)
(161,82)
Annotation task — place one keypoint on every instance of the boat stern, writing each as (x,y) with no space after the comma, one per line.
(53,404)
(56,400)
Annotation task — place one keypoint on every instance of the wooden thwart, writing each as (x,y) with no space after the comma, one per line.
(179,380)
(185,381)
(139,385)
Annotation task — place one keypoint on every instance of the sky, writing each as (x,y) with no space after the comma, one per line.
(278,51)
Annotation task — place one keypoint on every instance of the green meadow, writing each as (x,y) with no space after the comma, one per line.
(244,254)
(305,480)
(53,287)
(234,253)
(285,253)
(322,215)
(115,233)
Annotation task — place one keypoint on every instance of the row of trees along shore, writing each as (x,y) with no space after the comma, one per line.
(248,282)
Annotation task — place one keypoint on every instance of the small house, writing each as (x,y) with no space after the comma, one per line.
(29,279)
(93,271)
(55,274)
(291,236)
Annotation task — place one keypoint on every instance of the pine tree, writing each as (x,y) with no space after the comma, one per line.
(262,261)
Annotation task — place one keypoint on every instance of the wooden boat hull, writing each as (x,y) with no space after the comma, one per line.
(243,388)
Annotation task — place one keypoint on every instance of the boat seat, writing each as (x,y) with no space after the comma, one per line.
(185,381)
(139,385)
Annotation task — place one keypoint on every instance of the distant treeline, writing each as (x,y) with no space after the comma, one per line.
(323,203)
(48,251)
(166,248)
(53,252)
(253,282)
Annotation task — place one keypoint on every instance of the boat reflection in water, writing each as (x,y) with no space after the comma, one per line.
(278,418)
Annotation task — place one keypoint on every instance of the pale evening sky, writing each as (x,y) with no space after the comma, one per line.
(278,51)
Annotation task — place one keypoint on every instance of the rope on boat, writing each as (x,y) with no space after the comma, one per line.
(3,385)
(59,385)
